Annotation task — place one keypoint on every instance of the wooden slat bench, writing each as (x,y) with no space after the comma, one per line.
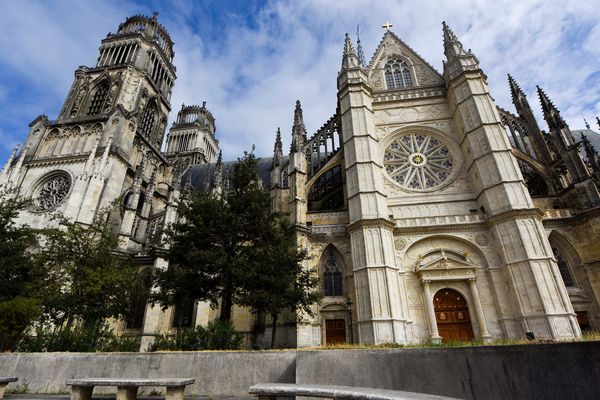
(5,380)
(81,389)
(270,391)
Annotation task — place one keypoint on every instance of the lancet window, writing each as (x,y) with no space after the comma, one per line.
(98,99)
(397,74)
(564,268)
(332,276)
(148,121)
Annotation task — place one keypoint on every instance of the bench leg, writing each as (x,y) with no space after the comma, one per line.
(81,392)
(175,393)
(127,392)
(2,388)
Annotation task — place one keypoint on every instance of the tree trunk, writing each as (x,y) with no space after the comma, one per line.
(226,305)
(273,329)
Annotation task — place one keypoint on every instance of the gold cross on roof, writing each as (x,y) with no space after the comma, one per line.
(387,26)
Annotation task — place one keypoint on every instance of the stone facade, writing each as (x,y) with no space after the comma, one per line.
(418,185)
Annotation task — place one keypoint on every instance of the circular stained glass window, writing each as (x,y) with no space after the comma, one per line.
(52,192)
(418,161)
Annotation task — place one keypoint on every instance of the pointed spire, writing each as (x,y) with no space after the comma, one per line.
(453,48)
(349,60)
(449,36)
(515,89)
(359,49)
(299,130)
(590,152)
(277,149)
(551,113)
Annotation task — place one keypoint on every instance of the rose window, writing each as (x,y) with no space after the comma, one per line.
(52,192)
(418,161)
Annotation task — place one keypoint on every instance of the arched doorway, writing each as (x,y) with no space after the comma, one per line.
(452,316)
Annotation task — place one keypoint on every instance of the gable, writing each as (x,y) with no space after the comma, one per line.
(392,47)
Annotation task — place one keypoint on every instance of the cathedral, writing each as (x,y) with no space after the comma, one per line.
(429,212)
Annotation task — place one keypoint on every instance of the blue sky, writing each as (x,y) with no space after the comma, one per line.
(250,60)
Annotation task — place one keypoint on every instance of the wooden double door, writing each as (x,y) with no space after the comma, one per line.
(452,316)
(335,331)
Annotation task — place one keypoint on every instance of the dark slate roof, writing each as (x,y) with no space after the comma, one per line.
(199,172)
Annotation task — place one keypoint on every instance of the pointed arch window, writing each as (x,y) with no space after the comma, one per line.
(332,276)
(564,268)
(397,74)
(98,99)
(148,121)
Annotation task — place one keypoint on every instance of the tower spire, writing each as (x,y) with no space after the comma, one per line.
(449,36)
(359,49)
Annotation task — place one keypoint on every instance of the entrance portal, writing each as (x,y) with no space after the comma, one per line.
(335,331)
(452,316)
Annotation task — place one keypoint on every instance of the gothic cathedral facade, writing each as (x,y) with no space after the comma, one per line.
(429,213)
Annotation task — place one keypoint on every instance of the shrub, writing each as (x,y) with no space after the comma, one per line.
(77,339)
(16,315)
(217,335)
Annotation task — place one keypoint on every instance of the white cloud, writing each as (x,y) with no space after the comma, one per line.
(251,76)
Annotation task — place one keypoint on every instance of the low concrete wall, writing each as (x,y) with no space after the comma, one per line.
(216,373)
(552,371)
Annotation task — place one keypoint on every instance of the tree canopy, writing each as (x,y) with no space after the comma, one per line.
(19,306)
(82,276)
(231,249)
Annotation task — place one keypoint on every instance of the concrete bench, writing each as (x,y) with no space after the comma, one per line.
(270,391)
(81,389)
(5,380)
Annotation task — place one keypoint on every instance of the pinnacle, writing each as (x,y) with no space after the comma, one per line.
(449,36)
(348,48)
(515,89)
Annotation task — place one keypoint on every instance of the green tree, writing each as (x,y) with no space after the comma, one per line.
(83,276)
(210,245)
(279,281)
(18,309)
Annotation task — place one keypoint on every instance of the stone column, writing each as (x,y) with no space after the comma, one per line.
(434,335)
(153,314)
(485,335)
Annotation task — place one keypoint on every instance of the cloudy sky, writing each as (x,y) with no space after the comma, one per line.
(250,60)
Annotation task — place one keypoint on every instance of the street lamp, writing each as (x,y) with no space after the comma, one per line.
(349,305)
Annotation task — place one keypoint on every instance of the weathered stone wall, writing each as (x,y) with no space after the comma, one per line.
(552,371)
(216,373)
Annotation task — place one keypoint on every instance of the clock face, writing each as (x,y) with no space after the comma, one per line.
(418,162)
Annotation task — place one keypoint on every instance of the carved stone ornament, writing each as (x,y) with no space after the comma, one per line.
(482,240)
(52,192)
(418,162)
(400,244)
